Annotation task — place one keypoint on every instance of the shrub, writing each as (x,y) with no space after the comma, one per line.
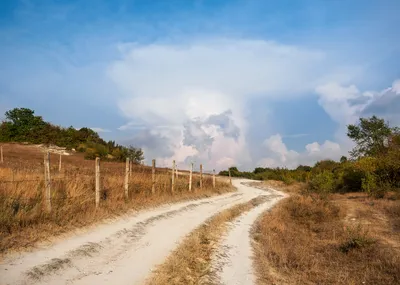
(322,183)
(355,238)
(90,153)
(369,183)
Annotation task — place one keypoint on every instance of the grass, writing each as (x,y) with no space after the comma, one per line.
(190,263)
(342,239)
(23,221)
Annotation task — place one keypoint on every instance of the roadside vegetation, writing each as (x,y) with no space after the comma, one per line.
(341,224)
(373,166)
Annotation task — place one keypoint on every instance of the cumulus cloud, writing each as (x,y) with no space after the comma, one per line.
(385,104)
(278,155)
(152,142)
(345,105)
(202,89)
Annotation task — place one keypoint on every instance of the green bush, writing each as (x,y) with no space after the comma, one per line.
(90,153)
(369,183)
(322,183)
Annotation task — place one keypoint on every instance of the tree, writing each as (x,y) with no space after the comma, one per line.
(259,170)
(371,136)
(135,154)
(304,168)
(21,124)
(325,165)
(343,159)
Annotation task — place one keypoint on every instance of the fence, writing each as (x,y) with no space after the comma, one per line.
(60,185)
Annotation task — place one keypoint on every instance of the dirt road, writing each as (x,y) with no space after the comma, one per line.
(123,251)
(233,260)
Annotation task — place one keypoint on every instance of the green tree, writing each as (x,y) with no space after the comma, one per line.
(21,125)
(371,136)
(343,159)
(135,154)
(304,168)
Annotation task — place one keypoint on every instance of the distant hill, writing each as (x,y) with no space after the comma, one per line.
(22,125)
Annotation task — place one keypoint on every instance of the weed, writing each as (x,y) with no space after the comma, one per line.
(356,238)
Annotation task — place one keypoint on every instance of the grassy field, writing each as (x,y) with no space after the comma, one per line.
(340,239)
(23,221)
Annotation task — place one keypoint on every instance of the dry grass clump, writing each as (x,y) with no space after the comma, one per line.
(23,221)
(306,240)
(392,210)
(190,263)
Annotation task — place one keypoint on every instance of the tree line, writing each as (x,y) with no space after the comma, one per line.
(373,166)
(22,125)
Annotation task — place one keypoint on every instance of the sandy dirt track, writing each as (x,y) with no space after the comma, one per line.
(122,251)
(233,261)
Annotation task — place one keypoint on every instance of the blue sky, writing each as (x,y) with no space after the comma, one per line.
(247,83)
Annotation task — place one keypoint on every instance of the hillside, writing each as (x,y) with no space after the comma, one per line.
(22,125)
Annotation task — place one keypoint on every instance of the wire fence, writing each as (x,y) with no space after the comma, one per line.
(56,186)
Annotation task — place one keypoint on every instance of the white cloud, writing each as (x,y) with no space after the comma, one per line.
(396,86)
(170,84)
(101,130)
(131,126)
(277,154)
(345,105)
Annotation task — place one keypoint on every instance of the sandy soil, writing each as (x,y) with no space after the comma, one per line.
(122,251)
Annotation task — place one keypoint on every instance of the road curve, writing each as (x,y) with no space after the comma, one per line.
(122,251)
(233,262)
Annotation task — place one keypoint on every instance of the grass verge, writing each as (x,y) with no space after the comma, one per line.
(190,263)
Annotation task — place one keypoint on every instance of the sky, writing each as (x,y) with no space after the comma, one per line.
(223,83)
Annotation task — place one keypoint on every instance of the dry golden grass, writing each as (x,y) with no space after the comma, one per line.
(23,222)
(343,239)
(191,262)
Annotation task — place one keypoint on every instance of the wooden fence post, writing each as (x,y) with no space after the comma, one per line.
(127,164)
(1,154)
(230,178)
(153,176)
(173,177)
(13,180)
(47,182)
(97,175)
(201,176)
(59,164)
(190,177)
(213,178)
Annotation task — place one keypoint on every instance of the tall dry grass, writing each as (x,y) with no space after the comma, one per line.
(309,240)
(23,221)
